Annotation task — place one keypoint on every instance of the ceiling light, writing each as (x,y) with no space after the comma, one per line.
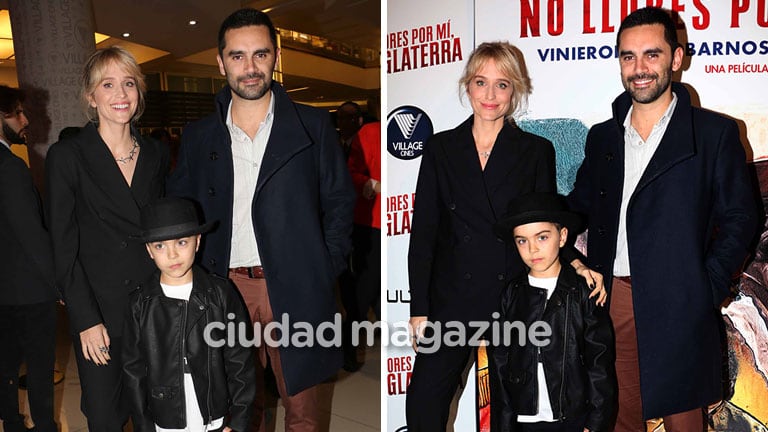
(296,89)
(126,34)
(192,22)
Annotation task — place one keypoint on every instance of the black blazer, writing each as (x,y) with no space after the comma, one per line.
(92,213)
(457,266)
(26,262)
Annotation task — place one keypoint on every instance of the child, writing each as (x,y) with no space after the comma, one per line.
(569,383)
(174,380)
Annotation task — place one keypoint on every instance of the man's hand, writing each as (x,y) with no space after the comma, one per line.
(594,280)
(416,326)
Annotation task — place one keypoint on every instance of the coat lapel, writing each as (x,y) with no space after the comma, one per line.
(143,175)
(288,137)
(106,175)
(197,305)
(502,164)
(677,144)
(461,155)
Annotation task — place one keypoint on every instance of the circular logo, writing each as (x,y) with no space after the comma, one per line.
(408,128)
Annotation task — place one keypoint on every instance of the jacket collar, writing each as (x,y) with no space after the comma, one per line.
(480,183)
(677,144)
(102,166)
(288,137)
(198,299)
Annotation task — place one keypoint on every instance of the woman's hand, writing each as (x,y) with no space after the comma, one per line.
(417,325)
(594,280)
(229,429)
(95,344)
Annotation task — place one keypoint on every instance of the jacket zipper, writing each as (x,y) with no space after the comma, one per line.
(539,359)
(183,356)
(208,351)
(565,343)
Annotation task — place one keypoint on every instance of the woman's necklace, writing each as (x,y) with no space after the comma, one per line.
(485,154)
(131,154)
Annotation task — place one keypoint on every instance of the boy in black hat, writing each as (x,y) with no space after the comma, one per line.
(567,383)
(176,376)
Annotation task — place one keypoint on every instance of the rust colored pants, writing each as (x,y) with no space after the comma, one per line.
(302,410)
(630,418)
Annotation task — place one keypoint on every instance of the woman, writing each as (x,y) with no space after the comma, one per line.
(457,265)
(97,181)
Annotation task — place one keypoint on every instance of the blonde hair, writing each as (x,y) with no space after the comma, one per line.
(93,73)
(510,62)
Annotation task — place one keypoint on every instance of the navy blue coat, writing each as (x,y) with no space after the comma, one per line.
(689,225)
(302,216)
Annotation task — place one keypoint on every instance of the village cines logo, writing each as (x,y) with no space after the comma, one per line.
(408,128)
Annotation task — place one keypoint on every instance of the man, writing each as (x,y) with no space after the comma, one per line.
(27,291)
(271,172)
(670,217)
(349,119)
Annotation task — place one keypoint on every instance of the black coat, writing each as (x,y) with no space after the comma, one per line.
(26,260)
(690,222)
(160,331)
(92,214)
(578,360)
(457,266)
(302,217)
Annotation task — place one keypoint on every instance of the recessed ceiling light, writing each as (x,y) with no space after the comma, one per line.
(192,22)
(126,34)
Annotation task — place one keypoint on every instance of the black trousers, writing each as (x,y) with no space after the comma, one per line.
(434,381)
(28,333)
(366,267)
(360,285)
(101,386)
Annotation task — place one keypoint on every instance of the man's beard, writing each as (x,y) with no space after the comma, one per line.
(12,136)
(251,92)
(662,83)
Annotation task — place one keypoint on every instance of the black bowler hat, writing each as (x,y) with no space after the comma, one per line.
(535,207)
(170,218)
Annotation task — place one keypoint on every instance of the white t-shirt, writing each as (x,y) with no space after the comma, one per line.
(545,413)
(195,422)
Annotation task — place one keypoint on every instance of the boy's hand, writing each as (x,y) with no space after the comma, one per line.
(95,344)
(228,429)
(417,325)
(594,280)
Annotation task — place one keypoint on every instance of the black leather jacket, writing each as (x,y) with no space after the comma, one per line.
(578,361)
(155,346)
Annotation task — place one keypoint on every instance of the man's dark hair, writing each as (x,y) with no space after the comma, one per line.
(651,15)
(244,18)
(10,98)
(355,106)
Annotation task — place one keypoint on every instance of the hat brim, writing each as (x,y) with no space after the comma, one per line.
(504,228)
(174,232)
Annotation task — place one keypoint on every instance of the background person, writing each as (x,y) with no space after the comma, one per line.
(27,288)
(96,184)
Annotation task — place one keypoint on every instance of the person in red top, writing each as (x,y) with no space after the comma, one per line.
(365,167)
